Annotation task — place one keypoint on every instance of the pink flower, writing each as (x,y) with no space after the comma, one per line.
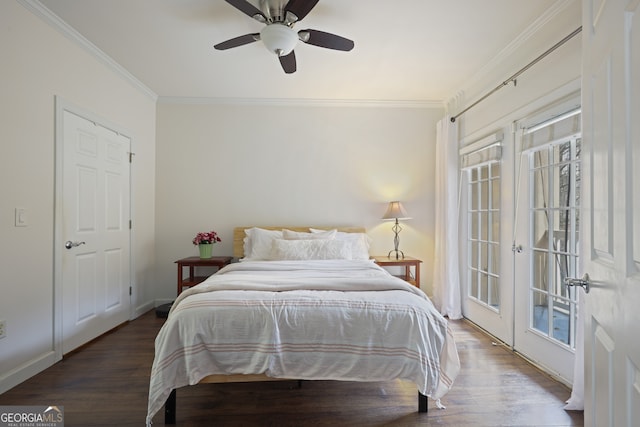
(206,237)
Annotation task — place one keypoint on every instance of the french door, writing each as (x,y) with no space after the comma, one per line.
(547,242)
(488,295)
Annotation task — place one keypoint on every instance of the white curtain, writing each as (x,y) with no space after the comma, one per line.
(446,274)
(576,401)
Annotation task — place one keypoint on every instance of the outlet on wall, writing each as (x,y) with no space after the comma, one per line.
(3,331)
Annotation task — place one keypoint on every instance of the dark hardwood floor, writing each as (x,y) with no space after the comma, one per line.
(106,384)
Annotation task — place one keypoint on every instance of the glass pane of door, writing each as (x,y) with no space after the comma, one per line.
(554,215)
(484,234)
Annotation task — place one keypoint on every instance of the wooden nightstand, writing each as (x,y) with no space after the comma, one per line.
(193,262)
(406,262)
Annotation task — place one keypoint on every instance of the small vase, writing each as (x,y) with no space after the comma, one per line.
(205,250)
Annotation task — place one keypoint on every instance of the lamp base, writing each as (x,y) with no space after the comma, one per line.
(396,240)
(398,254)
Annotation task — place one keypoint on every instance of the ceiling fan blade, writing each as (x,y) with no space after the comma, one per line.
(288,63)
(300,8)
(248,9)
(238,41)
(327,40)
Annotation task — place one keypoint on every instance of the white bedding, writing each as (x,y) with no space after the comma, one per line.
(338,320)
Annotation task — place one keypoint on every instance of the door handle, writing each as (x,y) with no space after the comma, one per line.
(584,282)
(69,244)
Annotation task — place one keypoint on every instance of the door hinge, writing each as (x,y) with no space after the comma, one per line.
(130,224)
(130,290)
(131,156)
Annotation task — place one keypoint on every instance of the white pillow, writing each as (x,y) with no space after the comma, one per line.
(360,243)
(298,235)
(258,242)
(313,249)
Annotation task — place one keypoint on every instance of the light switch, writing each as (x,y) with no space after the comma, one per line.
(21,217)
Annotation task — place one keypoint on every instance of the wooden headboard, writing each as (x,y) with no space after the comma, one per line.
(238,234)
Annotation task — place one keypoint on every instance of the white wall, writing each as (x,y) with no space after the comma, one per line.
(512,101)
(39,63)
(222,166)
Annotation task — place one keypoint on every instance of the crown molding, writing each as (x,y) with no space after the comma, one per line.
(515,45)
(288,102)
(38,9)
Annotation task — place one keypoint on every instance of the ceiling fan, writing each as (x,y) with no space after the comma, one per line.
(278,34)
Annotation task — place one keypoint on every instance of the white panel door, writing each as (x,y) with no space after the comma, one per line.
(94,231)
(611,159)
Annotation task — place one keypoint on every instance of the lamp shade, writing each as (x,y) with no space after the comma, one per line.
(279,38)
(395,211)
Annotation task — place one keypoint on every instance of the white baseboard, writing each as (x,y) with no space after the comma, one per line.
(26,371)
(142,309)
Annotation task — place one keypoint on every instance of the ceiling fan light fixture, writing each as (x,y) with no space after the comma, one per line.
(279,38)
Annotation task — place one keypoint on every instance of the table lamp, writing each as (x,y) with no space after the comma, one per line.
(396,211)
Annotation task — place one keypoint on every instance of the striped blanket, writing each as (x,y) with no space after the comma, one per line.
(313,320)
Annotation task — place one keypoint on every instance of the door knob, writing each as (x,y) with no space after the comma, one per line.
(584,282)
(69,244)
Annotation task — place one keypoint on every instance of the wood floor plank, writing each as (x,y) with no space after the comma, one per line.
(106,383)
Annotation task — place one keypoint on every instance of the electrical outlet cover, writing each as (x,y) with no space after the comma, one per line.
(21,217)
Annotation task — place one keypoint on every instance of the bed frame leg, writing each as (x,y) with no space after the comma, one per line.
(422,403)
(170,408)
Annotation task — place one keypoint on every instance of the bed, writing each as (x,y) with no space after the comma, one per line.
(302,304)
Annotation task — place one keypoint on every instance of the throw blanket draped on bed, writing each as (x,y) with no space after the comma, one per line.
(310,320)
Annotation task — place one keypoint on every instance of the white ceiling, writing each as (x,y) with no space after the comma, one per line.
(405,50)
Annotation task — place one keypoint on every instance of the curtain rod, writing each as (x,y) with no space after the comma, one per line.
(517,74)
